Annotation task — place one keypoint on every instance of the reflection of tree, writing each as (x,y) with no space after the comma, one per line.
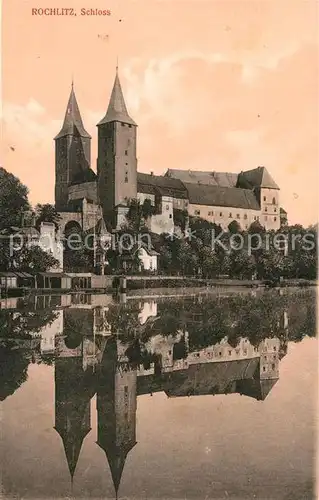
(14,370)
(124,319)
(209,320)
(24,323)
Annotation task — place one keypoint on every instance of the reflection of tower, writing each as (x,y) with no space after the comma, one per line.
(116,408)
(73,392)
(284,332)
(267,373)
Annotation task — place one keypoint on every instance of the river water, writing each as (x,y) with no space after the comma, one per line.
(209,396)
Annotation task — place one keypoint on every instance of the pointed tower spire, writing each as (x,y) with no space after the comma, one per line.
(73,124)
(74,389)
(117,111)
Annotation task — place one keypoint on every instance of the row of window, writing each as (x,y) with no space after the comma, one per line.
(211,354)
(211,213)
(266,209)
(273,200)
(273,367)
(266,218)
(256,217)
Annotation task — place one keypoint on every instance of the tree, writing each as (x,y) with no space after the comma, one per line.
(13,200)
(180,218)
(256,228)
(242,265)
(234,227)
(209,262)
(33,258)
(135,215)
(47,213)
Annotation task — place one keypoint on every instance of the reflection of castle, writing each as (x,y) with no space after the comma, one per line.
(118,379)
(90,360)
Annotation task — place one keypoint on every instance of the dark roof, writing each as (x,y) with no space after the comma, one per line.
(166,186)
(117,110)
(86,175)
(256,388)
(283,211)
(54,275)
(212,178)
(258,177)
(72,124)
(211,378)
(199,194)
(24,275)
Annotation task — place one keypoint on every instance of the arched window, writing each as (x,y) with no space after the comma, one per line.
(274,201)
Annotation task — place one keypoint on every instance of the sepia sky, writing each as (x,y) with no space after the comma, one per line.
(221,85)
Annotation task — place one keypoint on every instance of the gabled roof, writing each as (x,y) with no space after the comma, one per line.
(117,111)
(73,124)
(257,178)
(211,378)
(199,194)
(222,179)
(161,184)
(257,388)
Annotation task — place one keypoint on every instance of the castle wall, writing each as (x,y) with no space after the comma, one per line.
(163,222)
(225,215)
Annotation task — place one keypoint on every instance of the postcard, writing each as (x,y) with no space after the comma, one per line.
(158,249)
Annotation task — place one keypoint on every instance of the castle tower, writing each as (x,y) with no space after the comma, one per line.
(117,162)
(116,408)
(74,389)
(72,152)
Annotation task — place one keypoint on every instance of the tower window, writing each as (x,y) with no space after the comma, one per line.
(221,214)
(264,198)
(126,179)
(245,216)
(238,216)
(130,126)
(125,152)
(275,218)
(273,366)
(274,201)
(230,215)
(197,212)
(170,216)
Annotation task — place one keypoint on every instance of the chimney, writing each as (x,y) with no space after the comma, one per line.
(152,173)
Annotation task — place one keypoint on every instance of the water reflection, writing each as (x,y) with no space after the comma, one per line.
(203,346)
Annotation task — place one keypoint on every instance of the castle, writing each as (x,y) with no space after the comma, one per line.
(84,197)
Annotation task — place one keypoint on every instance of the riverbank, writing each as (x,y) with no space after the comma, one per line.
(146,283)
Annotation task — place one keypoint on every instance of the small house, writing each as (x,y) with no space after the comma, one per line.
(53,281)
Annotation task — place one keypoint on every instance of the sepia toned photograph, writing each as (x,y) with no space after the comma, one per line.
(159,249)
